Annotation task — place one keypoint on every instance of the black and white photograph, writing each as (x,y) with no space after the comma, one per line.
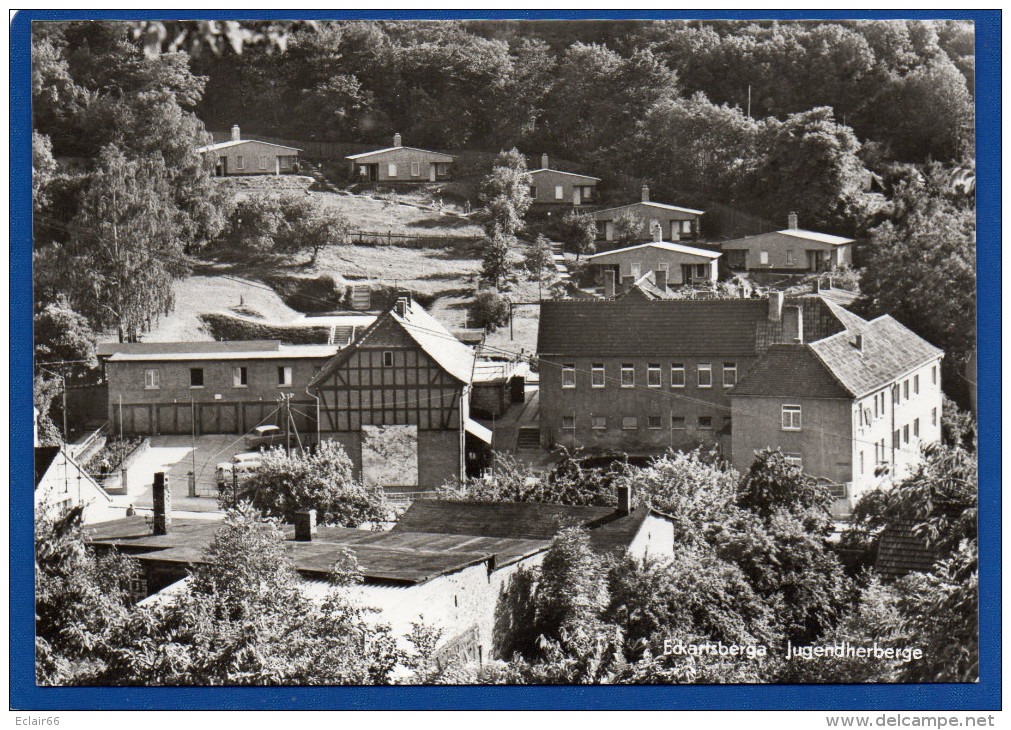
(504,352)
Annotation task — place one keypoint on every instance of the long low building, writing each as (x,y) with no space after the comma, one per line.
(450,565)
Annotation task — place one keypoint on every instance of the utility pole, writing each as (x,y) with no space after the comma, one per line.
(193,438)
(287,423)
(66,435)
(749,101)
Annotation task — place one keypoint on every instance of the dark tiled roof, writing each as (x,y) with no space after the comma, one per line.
(608,528)
(901,551)
(385,556)
(44,456)
(671,328)
(436,341)
(790,370)
(104,349)
(889,350)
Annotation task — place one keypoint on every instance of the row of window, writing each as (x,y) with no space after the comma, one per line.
(240,163)
(654,375)
(441,168)
(585,191)
(631,423)
(900,437)
(240,377)
(900,393)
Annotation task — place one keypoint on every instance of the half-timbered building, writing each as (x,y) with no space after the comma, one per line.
(398,400)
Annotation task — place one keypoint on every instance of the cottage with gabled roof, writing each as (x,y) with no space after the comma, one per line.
(555,188)
(406,379)
(668,265)
(852,407)
(791,249)
(399,164)
(251,157)
(676,223)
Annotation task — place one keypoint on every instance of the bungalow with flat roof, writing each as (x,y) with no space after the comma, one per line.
(676,223)
(399,164)
(791,249)
(555,188)
(251,157)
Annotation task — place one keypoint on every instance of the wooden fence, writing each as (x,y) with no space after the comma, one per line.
(410,240)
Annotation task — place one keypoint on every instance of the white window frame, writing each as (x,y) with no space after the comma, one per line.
(789,257)
(415,169)
(570,420)
(568,376)
(680,369)
(652,370)
(795,421)
(152,379)
(704,367)
(729,367)
(629,423)
(598,423)
(763,258)
(284,376)
(391,169)
(626,368)
(598,371)
(686,227)
(559,192)
(237,376)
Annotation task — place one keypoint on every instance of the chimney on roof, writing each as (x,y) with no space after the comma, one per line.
(397,142)
(858,342)
(817,285)
(609,277)
(791,221)
(161,496)
(775,306)
(403,306)
(660,279)
(793,324)
(544,160)
(305,525)
(624,499)
(645,193)
(235,133)
(657,231)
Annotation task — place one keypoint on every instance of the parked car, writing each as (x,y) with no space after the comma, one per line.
(265,437)
(241,466)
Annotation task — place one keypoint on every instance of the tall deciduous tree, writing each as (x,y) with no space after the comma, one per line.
(125,248)
(505,191)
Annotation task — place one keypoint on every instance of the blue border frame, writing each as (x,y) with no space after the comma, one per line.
(985,695)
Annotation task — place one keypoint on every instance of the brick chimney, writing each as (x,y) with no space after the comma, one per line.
(161,497)
(791,221)
(609,277)
(236,136)
(645,193)
(624,499)
(793,324)
(305,525)
(403,306)
(397,142)
(775,306)
(544,160)
(858,342)
(660,279)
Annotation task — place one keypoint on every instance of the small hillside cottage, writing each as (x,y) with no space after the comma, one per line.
(399,164)
(667,265)
(251,157)
(791,249)
(405,381)
(555,188)
(676,223)
(844,407)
